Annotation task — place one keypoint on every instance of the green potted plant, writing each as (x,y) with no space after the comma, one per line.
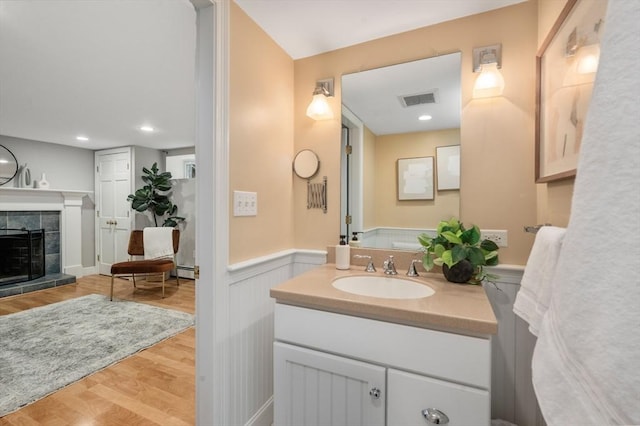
(155,197)
(460,252)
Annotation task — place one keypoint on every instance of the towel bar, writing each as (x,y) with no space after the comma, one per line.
(535,228)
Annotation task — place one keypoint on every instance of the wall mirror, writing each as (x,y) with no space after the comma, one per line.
(406,110)
(306,164)
(8,165)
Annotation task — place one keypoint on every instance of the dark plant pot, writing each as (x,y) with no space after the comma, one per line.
(461,272)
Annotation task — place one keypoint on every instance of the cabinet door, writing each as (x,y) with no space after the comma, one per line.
(410,394)
(316,388)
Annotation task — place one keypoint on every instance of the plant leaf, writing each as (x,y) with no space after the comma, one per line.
(475,256)
(458,253)
(424,240)
(427,262)
(488,245)
(451,237)
(447,258)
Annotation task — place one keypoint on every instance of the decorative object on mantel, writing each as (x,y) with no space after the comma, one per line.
(155,197)
(460,252)
(27,177)
(42,183)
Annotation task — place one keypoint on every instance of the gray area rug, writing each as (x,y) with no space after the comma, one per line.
(44,349)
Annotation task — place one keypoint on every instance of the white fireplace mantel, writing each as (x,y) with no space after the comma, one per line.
(68,203)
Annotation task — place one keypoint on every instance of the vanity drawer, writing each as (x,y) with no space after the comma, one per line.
(462,359)
(409,394)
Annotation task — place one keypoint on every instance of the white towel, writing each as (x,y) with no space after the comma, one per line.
(586,362)
(158,242)
(532,300)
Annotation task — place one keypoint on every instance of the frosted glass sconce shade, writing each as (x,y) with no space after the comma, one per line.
(489,83)
(319,108)
(487,61)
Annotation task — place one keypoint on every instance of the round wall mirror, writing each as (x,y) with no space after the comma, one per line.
(8,165)
(306,164)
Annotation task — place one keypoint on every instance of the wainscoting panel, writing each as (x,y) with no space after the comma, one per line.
(251,329)
(512,395)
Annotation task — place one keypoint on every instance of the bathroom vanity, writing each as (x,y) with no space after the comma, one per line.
(344,358)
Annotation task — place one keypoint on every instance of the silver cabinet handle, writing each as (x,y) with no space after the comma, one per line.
(375,393)
(435,416)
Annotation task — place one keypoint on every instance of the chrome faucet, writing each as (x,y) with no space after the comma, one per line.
(370,267)
(413,272)
(389,267)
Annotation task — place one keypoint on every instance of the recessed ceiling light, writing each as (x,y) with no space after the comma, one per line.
(425,117)
(147,129)
(82,138)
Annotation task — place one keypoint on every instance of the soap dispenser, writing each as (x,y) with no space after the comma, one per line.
(343,254)
(355,242)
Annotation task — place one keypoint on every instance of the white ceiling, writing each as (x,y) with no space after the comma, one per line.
(308,27)
(103,68)
(99,69)
(374,95)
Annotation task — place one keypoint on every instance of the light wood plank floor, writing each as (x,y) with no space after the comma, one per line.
(153,387)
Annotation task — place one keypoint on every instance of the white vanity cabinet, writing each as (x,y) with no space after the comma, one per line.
(336,369)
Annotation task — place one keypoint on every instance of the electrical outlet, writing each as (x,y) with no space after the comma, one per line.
(245,203)
(498,236)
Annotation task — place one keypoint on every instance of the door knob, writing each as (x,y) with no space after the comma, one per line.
(435,416)
(375,393)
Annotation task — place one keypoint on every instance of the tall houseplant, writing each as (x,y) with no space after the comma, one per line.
(460,251)
(155,197)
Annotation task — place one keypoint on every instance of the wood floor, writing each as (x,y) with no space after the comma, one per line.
(153,387)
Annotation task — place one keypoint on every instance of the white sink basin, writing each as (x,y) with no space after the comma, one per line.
(382,287)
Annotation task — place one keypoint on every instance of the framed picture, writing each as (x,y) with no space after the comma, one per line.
(448,167)
(566,67)
(415,178)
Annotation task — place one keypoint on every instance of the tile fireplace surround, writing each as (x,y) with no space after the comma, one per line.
(59,213)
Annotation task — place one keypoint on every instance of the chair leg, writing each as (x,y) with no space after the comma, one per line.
(177,277)
(163,285)
(111,288)
(134,280)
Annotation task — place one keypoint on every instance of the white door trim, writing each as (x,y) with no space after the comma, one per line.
(212,288)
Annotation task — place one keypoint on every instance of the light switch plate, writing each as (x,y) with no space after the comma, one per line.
(245,203)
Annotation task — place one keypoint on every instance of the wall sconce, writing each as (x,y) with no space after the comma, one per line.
(487,61)
(319,108)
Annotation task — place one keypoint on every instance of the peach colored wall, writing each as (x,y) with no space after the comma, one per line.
(260,139)
(497,135)
(391,212)
(554,198)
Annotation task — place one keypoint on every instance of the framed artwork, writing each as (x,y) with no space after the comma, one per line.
(566,66)
(415,178)
(448,167)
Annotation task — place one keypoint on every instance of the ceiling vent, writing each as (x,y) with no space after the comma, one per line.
(419,99)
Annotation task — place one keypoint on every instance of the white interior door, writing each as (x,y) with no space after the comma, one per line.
(113,185)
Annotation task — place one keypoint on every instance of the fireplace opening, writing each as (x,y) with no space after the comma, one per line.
(21,255)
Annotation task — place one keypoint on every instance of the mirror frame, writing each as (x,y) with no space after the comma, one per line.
(306,164)
(15,173)
(353,216)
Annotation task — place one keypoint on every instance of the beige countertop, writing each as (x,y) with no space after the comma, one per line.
(463,309)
